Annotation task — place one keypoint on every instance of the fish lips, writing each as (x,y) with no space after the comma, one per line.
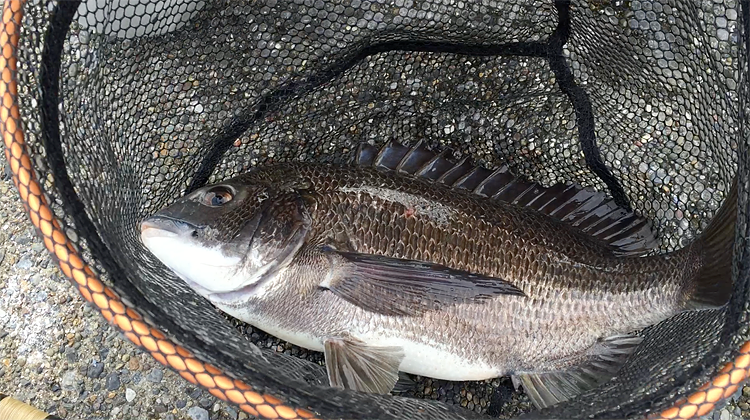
(163,224)
(184,214)
(166,226)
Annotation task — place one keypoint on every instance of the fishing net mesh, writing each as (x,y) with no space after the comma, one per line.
(126,105)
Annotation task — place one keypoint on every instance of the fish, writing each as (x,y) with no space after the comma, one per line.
(405,260)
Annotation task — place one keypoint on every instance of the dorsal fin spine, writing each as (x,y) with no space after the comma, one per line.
(562,193)
(464,177)
(518,198)
(541,207)
(431,163)
(451,170)
(606,226)
(560,207)
(408,155)
(381,154)
(360,153)
(589,211)
(500,191)
(630,225)
(572,213)
(489,178)
(426,167)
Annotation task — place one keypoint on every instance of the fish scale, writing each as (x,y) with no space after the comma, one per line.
(386,270)
(389,221)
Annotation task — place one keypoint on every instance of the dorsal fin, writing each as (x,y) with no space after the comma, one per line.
(591,211)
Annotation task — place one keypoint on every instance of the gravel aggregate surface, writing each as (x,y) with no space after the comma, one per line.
(58,353)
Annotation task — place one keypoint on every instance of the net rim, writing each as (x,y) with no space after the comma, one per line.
(106,301)
(163,349)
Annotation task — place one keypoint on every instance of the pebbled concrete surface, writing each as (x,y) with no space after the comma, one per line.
(58,354)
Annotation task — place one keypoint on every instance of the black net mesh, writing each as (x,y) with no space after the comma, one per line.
(129,104)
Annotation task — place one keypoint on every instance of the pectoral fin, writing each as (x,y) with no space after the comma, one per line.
(599,364)
(353,365)
(398,287)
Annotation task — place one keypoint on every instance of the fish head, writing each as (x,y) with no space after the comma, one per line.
(227,239)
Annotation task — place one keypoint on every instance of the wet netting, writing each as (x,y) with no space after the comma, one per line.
(112,109)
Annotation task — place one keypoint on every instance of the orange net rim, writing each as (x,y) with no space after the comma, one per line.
(130,322)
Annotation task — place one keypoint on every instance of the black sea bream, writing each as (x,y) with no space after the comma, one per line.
(405,261)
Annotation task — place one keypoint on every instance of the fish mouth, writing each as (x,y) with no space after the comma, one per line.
(164,226)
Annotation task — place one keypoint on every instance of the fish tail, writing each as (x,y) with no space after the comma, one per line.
(712,286)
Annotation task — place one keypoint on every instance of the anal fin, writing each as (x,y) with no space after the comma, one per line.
(600,363)
(352,364)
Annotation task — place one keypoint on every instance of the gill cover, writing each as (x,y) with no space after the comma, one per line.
(281,232)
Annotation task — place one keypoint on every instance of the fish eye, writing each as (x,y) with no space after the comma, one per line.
(218,196)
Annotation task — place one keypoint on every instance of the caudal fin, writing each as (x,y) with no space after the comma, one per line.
(712,286)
